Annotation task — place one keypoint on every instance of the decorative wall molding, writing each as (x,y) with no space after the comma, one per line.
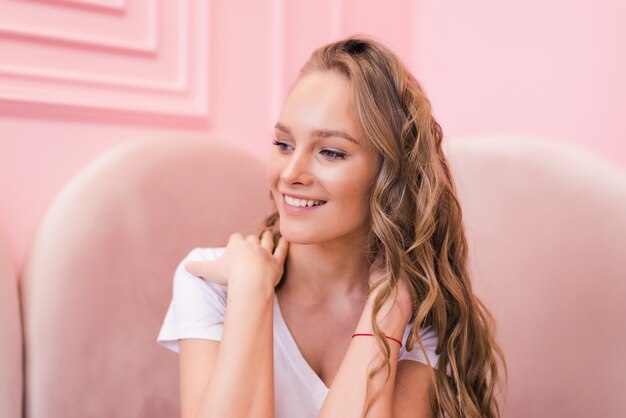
(176,75)
(179,84)
(277,59)
(336,18)
(62,35)
(282,56)
(111,5)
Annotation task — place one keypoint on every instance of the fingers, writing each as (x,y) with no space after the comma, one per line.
(196,268)
(281,250)
(253,239)
(234,236)
(267,240)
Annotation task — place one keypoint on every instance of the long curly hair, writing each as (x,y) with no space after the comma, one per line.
(416,222)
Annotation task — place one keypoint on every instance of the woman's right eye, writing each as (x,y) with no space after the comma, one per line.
(282,146)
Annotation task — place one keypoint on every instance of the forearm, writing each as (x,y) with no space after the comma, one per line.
(346,397)
(242,381)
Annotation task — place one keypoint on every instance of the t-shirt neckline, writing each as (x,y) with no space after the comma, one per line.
(314,382)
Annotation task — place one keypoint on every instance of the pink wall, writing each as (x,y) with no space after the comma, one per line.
(78,77)
(551,68)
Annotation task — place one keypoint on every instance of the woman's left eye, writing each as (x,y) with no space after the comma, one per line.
(281,145)
(334,154)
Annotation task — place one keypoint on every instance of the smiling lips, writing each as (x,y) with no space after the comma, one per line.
(294,205)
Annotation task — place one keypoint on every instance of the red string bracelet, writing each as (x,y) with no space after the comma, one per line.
(371,335)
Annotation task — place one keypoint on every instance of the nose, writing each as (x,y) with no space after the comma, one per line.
(296,169)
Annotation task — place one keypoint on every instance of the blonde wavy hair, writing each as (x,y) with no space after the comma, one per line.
(416,223)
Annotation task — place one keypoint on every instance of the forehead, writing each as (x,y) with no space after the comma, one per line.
(320,100)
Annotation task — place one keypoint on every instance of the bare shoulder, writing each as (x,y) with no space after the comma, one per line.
(414,390)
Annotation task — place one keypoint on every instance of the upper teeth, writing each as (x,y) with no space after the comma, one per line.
(300,202)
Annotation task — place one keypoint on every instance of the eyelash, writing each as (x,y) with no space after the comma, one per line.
(335,155)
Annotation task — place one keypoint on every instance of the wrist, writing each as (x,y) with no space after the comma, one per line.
(397,303)
(392,318)
(373,335)
(248,283)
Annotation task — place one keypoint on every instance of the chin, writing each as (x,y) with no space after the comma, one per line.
(299,236)
(294,238)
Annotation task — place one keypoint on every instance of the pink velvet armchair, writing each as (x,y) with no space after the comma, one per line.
(547,238)
(99,276)
(546,226)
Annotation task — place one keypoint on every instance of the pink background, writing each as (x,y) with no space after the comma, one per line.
(78,77)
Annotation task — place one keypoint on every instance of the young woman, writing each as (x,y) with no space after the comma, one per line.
(355,300)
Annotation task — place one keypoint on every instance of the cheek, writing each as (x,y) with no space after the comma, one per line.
(350,192)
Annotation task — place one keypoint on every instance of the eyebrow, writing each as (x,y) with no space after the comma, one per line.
(320,133)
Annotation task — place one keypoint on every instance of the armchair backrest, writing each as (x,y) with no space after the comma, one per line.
(547,240)
(99,276)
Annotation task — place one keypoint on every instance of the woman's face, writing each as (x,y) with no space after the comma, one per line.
(320,155)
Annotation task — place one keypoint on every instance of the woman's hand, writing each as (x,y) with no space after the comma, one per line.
(245,259)
(401,294)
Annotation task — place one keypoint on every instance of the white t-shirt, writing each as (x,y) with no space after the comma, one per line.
(197,310)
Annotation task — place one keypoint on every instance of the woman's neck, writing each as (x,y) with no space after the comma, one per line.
(326,274)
